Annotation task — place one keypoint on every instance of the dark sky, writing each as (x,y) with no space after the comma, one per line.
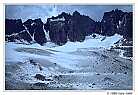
(43,11)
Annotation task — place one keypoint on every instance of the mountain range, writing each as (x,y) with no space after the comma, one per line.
(69,27)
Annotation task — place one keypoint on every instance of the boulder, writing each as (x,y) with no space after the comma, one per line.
(39,77)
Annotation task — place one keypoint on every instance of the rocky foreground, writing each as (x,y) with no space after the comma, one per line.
(83,69)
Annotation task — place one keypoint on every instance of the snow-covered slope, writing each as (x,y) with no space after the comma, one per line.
(78,65)
(12,54)
(99,41)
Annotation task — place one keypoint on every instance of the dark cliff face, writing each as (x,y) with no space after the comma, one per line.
(58,28)
(35,28)
(15,30)
(57,31)
(69,27)
(110,22)
(31,30)
(119,22)
(82,26)
(73,27)
(126,26)
(13,26)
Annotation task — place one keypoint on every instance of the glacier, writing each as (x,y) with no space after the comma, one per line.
(87,65)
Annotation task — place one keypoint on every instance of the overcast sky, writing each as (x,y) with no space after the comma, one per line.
(25,12)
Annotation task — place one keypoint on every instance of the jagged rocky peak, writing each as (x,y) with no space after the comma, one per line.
(110,22)
(61,17)
(35,28)
(126,26)
(57,29)
(113,22)
(28,32)
(15,31)
(69,27)
(76,13)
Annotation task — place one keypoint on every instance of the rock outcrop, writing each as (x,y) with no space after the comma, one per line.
(117,21)
(29,31)
(66,27)
(69,27)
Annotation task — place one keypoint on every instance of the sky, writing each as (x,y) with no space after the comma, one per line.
(25,12)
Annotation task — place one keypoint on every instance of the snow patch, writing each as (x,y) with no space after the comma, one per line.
(59,19)
(95,43)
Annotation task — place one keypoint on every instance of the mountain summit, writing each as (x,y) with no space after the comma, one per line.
(66,27)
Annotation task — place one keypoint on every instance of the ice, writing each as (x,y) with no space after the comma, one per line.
(120,22)
(81,65)
(59,57)
(95,43)
(46,34)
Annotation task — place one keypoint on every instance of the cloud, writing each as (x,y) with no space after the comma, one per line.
(25,12)
(30,11)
